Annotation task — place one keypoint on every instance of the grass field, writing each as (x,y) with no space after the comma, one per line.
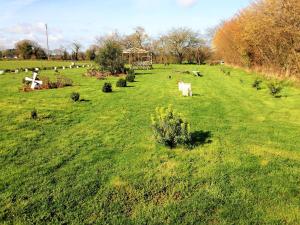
(96,161)
(23,64)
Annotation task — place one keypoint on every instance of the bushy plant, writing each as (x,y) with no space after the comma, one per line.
(169,128)
(275,89)
(75,96)
(107,87)
(34,114)
(121,83)
(130,78)
(256,84)
(110,57)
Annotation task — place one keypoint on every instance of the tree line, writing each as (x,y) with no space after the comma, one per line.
(179,45)
(265,36)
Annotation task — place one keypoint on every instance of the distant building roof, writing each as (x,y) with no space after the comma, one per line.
(135,50)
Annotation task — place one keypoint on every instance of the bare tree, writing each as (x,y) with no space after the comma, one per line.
(180,41)
(76,46)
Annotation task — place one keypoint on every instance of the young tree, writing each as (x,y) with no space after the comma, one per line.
(110,56)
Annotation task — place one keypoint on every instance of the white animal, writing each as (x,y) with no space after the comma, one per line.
(1,72)
(34,82)
(185,88)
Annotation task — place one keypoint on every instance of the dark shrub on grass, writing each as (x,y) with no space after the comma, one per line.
(121,82)
(170,129)
(130,78)
(34,114)
(75,96)
(107,88)
(256,84)
(275,89)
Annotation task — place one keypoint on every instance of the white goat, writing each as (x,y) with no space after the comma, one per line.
(185,88)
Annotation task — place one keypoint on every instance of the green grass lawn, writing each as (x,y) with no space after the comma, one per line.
(23,64)
(96,161)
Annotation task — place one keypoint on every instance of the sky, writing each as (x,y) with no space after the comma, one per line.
(85,20)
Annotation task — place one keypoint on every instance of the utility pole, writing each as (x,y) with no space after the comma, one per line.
(48,53)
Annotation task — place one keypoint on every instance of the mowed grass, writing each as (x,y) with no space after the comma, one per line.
(96,161)
(23,64)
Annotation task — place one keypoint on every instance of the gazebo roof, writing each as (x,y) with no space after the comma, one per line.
(135,50)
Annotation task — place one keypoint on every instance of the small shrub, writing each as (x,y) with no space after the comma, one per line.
(170,129)
(130,72)
(75,96)
(121,82)
(256,84)
(107,88)
(275,89)
(130,78)
(34,114)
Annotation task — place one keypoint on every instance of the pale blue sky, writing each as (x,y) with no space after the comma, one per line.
(84,20)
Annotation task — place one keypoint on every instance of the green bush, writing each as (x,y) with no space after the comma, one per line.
(121,82)
(170,129)
(275,89)
(130,72)
(107,87)
(34,114)
(130,78)
(75,96)
(256,84)
(110,57)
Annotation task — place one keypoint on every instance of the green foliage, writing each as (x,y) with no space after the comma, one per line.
(130,78)
(121,83)
(75,96)
(110,57)
(34,114)
(169,128)
(107,87)
(275,88)
(256,84)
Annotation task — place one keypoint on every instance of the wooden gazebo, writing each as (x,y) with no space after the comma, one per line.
(138,58)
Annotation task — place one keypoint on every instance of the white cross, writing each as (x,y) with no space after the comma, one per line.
(34,82)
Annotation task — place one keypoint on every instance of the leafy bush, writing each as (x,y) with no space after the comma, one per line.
(75,96)
(121,82)
(130,78)
(34,114)
(256,84)
(275,89)
(110,57)
(170,129)
(130,72)
(107,87)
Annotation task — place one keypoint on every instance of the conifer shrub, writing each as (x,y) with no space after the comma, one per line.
(256,84)
(121,83)
(275,89)
(170,129)
(107,88)
(75,96)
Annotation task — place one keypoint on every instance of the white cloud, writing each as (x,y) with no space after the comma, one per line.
(36,32)
(187,3)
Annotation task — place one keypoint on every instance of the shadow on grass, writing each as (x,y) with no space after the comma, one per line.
(200,138)
(84,100)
